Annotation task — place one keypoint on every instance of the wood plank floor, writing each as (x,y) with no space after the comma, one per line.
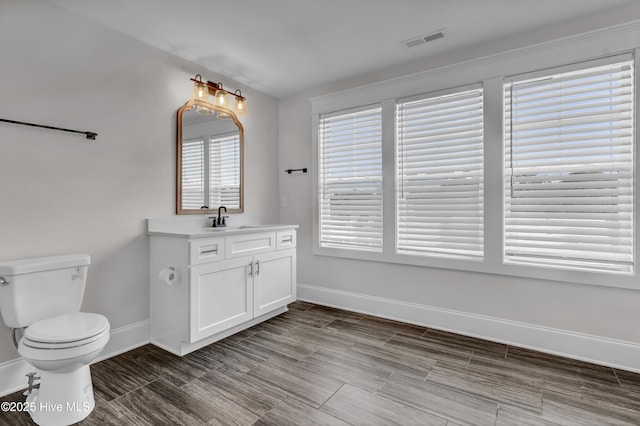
(316,365)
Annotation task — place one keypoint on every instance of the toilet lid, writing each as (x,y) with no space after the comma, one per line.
(67,328)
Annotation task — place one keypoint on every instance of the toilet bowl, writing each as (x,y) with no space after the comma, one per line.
(42,296)
(61,348)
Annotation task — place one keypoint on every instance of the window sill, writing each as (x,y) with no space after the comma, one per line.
(488,267)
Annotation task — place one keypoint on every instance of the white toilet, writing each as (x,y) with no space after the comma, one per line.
(44,295)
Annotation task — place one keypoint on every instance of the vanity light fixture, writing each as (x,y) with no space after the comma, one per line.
(240,105)
(223,115)
(202,91)
(221,98)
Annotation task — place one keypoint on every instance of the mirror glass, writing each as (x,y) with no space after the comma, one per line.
(210,161)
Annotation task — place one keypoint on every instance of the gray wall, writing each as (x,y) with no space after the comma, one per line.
(60,193)
(600,311)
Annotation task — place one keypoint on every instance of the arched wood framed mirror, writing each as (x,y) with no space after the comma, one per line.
(210,161)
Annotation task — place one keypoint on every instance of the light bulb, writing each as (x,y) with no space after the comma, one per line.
(221,98)
(240,106)
(200,92)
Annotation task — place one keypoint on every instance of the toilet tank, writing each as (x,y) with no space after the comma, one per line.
(42,287)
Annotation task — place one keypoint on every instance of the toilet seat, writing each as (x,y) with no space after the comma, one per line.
(65,336)
(66,330)
(64,345)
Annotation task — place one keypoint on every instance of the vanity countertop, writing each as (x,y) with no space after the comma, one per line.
(197,232)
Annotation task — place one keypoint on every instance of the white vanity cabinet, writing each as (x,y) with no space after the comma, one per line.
(273,281)
(220,297)
(225,282)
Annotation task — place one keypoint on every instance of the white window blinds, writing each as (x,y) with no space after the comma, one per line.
(350,180)
(569,169)
(216,181)
(193,174)
(224,171)
(440,175)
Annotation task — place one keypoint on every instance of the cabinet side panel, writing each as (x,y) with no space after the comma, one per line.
(168,303)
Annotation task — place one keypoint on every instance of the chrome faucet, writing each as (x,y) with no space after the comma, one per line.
(219,221)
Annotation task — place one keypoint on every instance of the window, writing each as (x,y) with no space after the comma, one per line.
(528,175)
(193,174)
(350,180)
(440,175)
(224,163)
(215,182)
(569,169)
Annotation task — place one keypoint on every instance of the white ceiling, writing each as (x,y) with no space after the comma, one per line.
(283,47)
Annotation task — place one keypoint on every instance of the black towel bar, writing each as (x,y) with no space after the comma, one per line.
(304,170)
(89,135)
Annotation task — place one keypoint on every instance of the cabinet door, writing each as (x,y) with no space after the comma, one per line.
(274,283)
(221,295)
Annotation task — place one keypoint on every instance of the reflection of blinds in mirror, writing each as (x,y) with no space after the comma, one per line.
(224,171)
(193,174)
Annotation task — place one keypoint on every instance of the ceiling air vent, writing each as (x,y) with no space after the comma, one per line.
(424,39)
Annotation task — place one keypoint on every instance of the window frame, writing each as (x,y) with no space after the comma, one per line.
(547,74)
(447,93)
(321,161)
(490,72)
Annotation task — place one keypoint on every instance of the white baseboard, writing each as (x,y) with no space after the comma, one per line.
(12,375)
(598,350)
(123,339)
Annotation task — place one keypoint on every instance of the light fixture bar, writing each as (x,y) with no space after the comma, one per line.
(202,91)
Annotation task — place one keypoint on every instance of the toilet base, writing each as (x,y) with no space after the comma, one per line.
(63,398)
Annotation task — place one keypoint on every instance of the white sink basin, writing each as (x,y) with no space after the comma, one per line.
(235,228)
